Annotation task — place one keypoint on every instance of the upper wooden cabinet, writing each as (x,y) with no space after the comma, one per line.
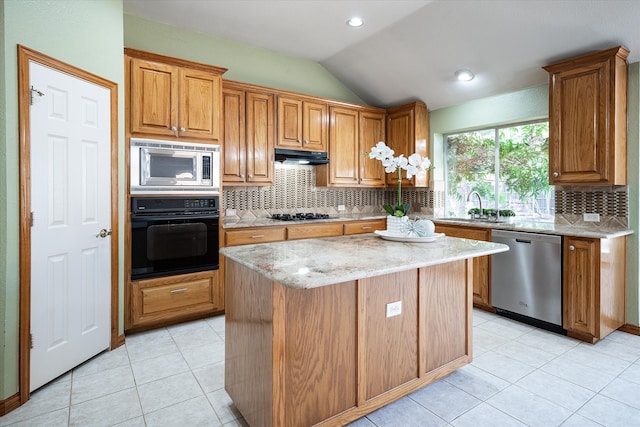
(408,133)
(352,133)
(588,119)
(248,135)
(302,124)
(172,97)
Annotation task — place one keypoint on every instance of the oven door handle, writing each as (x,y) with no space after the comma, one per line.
(135,217)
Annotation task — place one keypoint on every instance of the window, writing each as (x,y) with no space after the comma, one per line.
(507,166)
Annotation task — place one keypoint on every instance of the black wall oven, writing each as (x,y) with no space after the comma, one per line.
(173,235)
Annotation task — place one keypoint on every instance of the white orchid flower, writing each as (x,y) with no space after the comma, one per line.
(380,151)
(415,159)
(426,163)
(411,171)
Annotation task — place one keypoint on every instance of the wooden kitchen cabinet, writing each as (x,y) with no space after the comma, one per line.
(302,124)
(594,286)
(248,135)
(365,226)
(408,133)
(481,265)
(160,301)
(352,133)
(172,97)
(588,119)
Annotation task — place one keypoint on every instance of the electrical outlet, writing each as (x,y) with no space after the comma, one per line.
(341,207)
(394,308)
(591,217)
(230,212)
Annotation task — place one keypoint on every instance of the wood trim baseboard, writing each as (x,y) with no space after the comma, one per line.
(630,329)
(9,404)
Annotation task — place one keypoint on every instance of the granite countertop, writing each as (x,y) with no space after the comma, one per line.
(596,230)
(311,263)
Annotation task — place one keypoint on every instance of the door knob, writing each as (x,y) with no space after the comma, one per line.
(104,233)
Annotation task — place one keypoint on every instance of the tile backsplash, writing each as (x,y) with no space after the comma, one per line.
(294,191)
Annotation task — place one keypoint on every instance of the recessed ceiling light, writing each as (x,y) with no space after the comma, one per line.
(464,75)
(355,22)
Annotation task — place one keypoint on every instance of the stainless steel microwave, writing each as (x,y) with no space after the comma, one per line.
(173,167)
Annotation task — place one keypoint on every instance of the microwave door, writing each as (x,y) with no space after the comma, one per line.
(168,168)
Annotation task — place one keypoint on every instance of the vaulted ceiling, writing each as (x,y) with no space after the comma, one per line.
(410,49)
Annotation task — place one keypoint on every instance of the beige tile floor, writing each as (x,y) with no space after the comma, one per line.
(520,376)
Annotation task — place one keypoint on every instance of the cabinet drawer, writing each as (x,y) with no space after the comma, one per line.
(360,227)
(254,235)
(309,231)
(167,299)
(175,296)
(465,232)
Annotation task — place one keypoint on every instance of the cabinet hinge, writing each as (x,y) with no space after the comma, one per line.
(32,91)
(31,341)
(31,219)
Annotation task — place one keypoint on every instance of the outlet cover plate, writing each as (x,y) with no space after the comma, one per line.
(341,207)
(394,308)
(591,217)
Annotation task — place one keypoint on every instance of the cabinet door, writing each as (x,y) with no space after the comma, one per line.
(580,285)
(343,147)
(260,138)
(310,231)
(481,265)
(200,105)
(289,123)
(399,137)
(372,130)
(578,134)
(233,141)
(314,123)
(154,98)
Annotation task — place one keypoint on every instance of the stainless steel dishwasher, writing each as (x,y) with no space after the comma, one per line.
(527,279)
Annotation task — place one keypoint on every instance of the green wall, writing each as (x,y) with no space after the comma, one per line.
(245,63)
(532,104)
(86,34)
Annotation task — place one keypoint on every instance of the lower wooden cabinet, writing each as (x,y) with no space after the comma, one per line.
(594,286)
(481,265)
(362,227)
(165,300)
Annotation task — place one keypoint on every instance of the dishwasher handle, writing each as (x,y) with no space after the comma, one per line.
(523,241)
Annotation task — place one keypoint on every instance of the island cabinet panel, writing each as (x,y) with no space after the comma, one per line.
(319,353)
(248,375)
(443,298)
(328,355)
(388,341)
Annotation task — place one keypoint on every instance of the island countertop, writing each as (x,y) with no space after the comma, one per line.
(312,263)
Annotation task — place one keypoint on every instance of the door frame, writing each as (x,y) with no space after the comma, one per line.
(25,55)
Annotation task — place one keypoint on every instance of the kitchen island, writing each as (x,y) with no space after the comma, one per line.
(325,331)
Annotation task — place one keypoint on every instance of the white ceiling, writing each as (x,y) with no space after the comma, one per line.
(409,49)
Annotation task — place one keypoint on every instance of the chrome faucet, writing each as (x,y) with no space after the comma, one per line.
(475,193)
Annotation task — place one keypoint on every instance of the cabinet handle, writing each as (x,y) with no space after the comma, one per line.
(572,248)
(556,174)
(181,129)
(250,176)
(365,227)
(173,128)
(258,236)
(177,291)
(242,175)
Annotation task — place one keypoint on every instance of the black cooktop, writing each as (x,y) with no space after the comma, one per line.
(299,216)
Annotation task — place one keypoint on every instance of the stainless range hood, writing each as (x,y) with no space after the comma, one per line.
(300,157)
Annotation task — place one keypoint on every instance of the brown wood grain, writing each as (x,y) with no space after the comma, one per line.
(588,119)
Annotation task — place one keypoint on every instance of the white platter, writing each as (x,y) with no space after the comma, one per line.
(396,238)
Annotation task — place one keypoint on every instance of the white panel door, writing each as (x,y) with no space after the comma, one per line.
(70,200)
